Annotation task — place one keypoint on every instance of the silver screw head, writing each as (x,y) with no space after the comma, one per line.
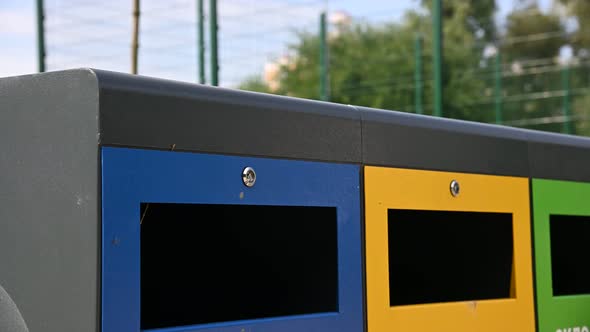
(249,177)
(455,188)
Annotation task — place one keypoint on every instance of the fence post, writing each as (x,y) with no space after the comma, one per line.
(418,82)
(135,37)
(201,41)
(213,41)
(40,36)
(437,55)
(324,85)
(565,79)
(498,87)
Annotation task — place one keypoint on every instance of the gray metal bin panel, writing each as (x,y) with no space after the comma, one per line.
(559,157)
(53,124)
(11,319)
(49,199)
(423,142)
(154,113)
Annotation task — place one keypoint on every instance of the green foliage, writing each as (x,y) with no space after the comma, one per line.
(582,111)
(255,84)
(531,34)
(374,65)
(362,60)
(478,15)
(580,11)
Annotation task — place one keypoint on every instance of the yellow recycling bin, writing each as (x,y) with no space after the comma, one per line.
(447,252)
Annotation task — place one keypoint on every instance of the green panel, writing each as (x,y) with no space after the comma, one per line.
(559,198)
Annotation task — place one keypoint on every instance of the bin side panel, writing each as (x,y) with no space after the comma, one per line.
(49,216)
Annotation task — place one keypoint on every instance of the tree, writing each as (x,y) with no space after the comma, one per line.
(478,15)
(581,110)
(373,65)
(580,11)
(530,50)
(255,84)
(532,34)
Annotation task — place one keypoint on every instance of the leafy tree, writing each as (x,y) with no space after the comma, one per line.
(532,41)
(255,84)
(373,65)
(581,110)
(580,11)
(532,34)
(478,15)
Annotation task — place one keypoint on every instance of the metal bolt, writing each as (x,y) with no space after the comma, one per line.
(249,177)
(455,188)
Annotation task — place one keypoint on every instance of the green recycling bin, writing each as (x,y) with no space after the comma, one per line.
(561,229)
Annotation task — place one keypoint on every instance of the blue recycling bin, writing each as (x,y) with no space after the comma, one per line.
(199,242)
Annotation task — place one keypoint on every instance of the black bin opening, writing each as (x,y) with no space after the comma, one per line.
(570,256)
(448,256)
(205,263)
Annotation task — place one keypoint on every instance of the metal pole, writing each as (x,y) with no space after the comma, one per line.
(135,38)
(40,36)
(498,87)
(565,79)
(201,41)
(213,27)
(437,58)
(418,82)
(324,90)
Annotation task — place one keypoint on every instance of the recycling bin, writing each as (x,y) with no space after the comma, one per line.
(561,214)
(447,251)
(189,242)
(131,203)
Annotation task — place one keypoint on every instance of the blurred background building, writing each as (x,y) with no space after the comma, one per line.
(523,63)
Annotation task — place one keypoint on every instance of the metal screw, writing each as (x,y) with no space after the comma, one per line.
(455,188)
(249,177)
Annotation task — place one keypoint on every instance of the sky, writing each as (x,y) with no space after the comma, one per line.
(85,33)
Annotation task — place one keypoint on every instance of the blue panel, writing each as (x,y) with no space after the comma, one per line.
(133,176)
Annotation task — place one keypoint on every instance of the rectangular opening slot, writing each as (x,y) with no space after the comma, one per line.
(448,256)
(207,263)
(570,256)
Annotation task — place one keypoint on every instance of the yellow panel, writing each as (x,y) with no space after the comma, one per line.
(390,188)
